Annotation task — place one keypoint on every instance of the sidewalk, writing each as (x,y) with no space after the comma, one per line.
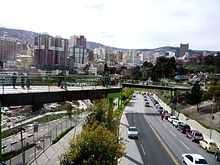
(193,124)
(51,155)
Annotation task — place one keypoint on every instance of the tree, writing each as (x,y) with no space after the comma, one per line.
(95,145)
(196,94)
(69,109)
(214,90)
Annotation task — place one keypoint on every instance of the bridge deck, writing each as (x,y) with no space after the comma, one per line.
(41,95)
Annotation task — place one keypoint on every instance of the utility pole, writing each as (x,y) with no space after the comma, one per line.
(211,117)
(0,131)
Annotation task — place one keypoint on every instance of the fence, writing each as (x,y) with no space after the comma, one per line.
(35,143)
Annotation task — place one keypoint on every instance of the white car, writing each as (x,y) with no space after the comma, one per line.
(193,159)
(176,122)
(171,118)
(132,132)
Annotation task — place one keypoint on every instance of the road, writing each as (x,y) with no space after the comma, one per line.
(159,142)
(147,149)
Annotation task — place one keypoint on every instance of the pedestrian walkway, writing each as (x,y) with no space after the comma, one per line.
(52,154)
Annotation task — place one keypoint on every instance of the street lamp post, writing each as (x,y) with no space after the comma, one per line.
(211,117)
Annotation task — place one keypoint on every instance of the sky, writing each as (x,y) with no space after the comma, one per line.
(120,23)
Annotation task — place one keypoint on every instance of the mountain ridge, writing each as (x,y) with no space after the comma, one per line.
(28,36)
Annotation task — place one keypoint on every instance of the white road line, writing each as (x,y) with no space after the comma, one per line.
(184,145)
(172,133)
(143,149)
(176,162)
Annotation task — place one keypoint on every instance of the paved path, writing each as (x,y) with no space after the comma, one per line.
(9,89)
(52,154)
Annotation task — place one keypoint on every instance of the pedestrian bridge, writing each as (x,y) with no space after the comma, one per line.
(39,95)
(160,87)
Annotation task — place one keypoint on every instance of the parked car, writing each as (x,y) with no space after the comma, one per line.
(147,104)
(176,122)
(217,155)
(208,145)
(160,109)
(193,159)
(171,118)
(132,132)
(194,135)
(182,127)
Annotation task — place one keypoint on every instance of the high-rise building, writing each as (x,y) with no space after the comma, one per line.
(184,48)
(7,51)
(77,51)
(50,51)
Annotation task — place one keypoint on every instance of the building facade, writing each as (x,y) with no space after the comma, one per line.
(184,48)
(50,51)
(8,51)
(77,52)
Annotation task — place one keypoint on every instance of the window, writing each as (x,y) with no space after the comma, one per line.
(201,161)
(190,157)
(132,129)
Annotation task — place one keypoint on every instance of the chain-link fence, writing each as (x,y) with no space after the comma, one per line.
(36,140)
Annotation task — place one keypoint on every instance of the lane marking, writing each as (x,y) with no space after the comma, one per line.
(171,132)
(184,145)
(143,149)
(174,159)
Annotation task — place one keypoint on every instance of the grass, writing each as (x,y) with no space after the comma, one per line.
(44,119)
(62,134)
(8,155)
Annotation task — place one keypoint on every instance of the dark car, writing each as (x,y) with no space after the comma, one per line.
(217,155)
(182,127)
(147,104)
(195,135)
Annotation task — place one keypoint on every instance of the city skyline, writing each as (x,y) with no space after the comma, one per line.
(124,24)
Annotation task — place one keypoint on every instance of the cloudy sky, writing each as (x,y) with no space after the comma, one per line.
(120,23)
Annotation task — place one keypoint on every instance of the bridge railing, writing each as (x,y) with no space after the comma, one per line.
(15,82)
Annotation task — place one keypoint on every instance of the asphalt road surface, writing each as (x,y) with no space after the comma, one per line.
(160,143)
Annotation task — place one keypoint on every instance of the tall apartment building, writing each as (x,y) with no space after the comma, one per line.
(7,51)
(184,48)
(50,51)
(77,51)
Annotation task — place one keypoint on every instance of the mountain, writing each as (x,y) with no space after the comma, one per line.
(28,36)
(22,35)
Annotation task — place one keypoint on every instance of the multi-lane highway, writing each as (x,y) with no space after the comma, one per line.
(159,142)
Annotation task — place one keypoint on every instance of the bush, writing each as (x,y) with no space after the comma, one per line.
(95,145)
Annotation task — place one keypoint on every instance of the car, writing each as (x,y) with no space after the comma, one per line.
(175,122)
(166,116)
(160,109)
(183,127)
(132,132)
(194,135)
(217,155)
(193,159)
(208,145)
(147,104)
(171,118)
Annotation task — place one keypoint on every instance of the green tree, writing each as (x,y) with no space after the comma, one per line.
(96,145)
(69,109)
(196,94)
(214,91)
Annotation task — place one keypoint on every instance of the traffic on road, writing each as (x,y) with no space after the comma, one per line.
(175,141)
